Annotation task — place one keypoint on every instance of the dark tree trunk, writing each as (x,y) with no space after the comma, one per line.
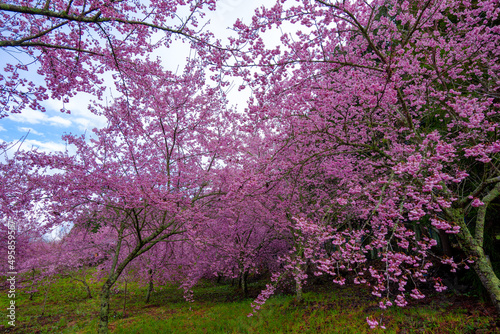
(104,312)
(244,283)
(445,243)
(150,286)
(125,300)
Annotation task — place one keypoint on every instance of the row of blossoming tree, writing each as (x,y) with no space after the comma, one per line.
(370,136)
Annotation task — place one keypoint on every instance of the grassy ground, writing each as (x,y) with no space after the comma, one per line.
(219,308)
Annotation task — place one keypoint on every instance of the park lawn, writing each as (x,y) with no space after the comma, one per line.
(220,308)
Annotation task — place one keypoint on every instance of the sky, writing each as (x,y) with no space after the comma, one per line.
(44,130)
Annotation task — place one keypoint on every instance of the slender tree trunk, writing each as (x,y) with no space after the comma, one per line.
(32,283)
(85,285)
(150,287)
(244,283)
(298,291)
(125,300)
(44,301)
(150,290)
(89,293)
(298,283)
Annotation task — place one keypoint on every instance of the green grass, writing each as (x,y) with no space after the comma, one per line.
(221,309)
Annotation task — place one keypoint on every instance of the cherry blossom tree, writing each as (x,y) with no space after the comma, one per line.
(243,239)
(390,108)
(143,179)
(26,210)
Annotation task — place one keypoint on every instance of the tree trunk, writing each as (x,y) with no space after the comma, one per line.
(150,290)
(298,291)
(84,282)
(489,279)
(32,284)
(445,243)
(89,293)
(44,301)
(150,287)
(474,250)
(104,312)
(125,300)
(298,282)
(244,283)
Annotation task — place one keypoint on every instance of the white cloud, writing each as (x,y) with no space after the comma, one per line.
(80,114)
(44,146)
(30,130)
(59,121)
(2,128)
(29,116)
(87,124)
(41,146)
